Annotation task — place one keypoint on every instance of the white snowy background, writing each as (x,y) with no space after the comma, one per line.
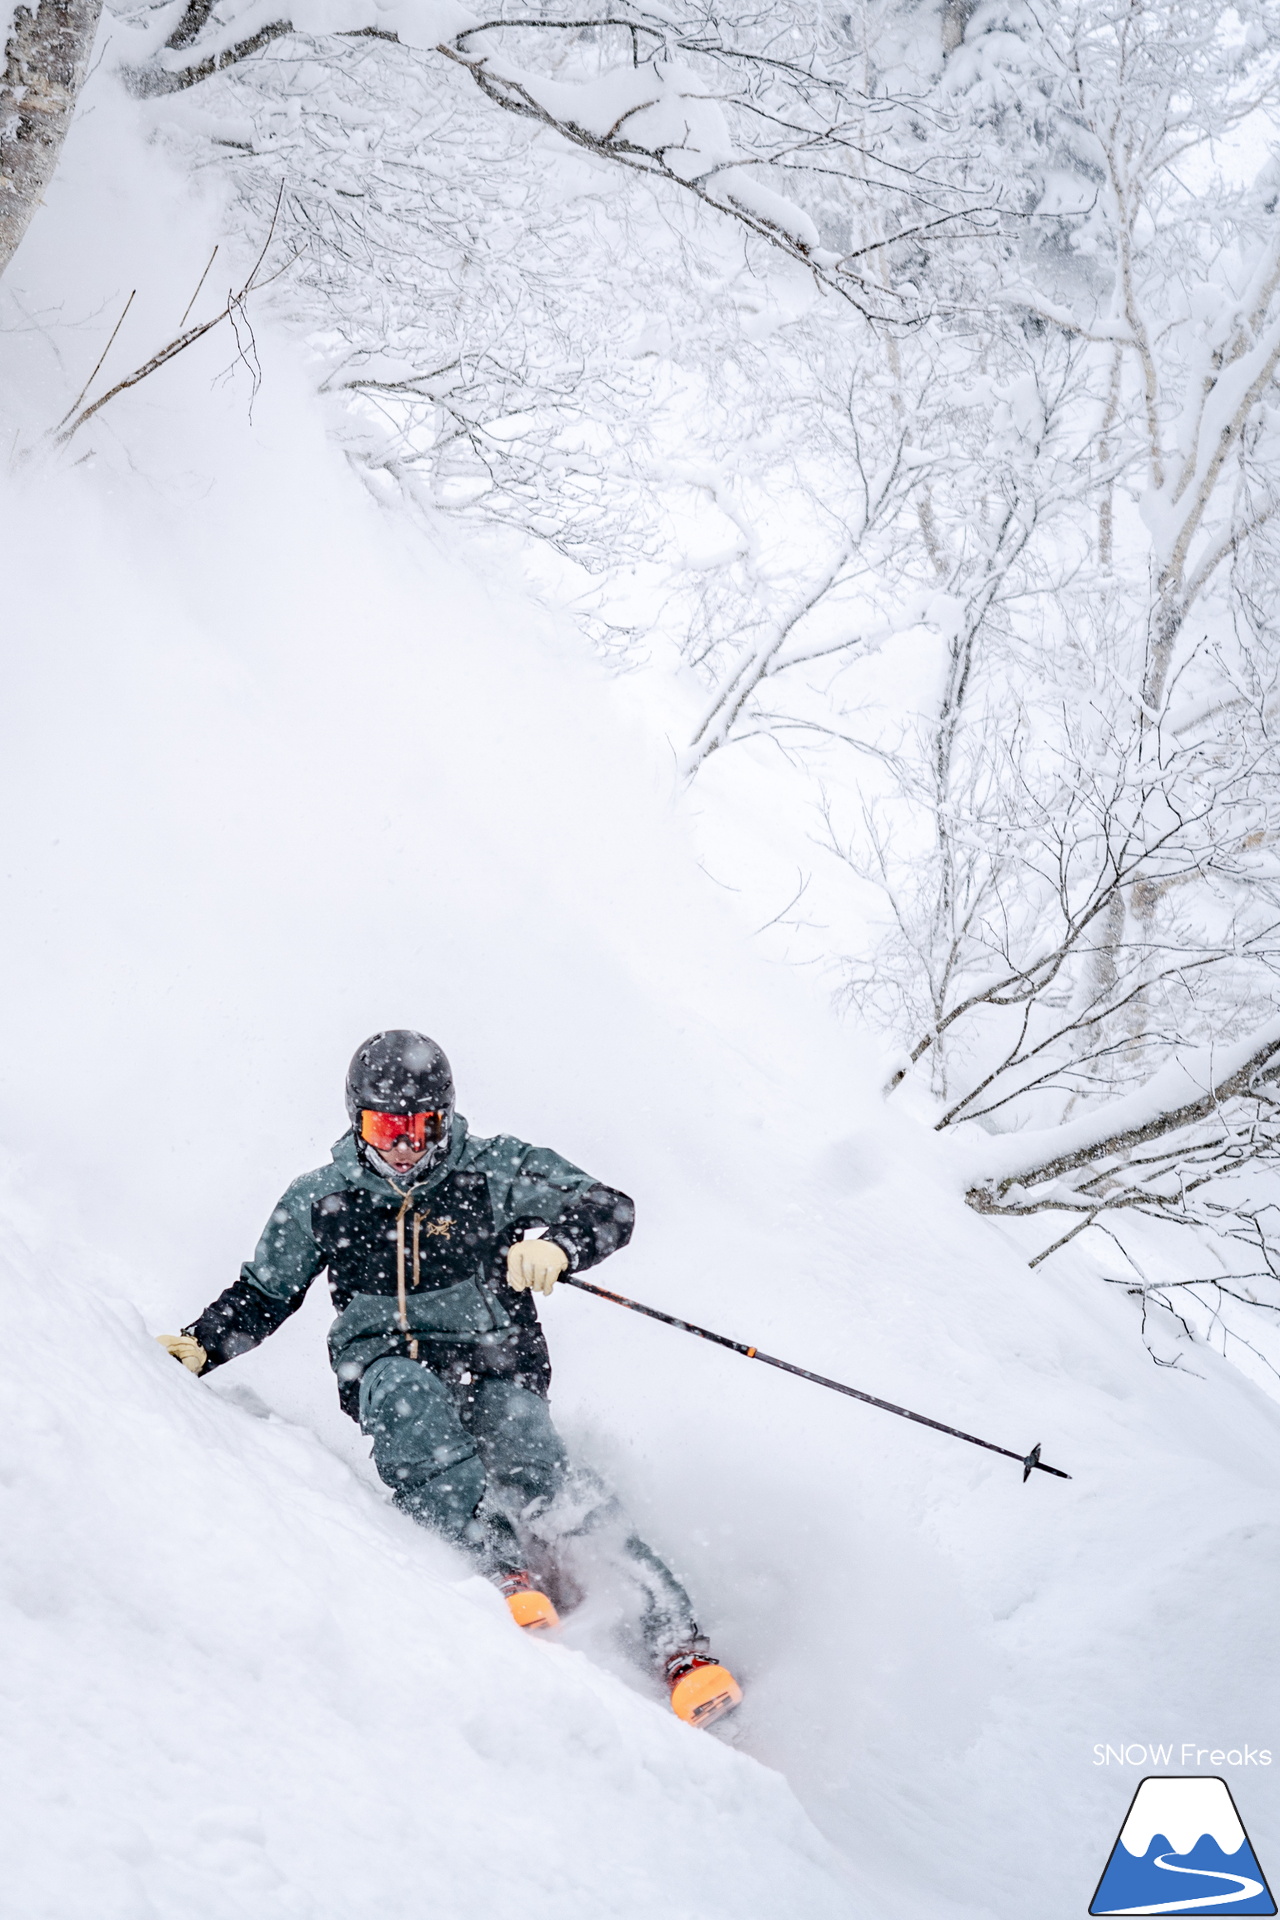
(283,764)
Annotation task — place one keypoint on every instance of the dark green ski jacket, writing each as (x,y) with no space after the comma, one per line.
(418,1267)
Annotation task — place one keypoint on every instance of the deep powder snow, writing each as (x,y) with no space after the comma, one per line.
(238,1683)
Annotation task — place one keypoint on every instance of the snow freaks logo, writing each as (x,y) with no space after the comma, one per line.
(1182,1850)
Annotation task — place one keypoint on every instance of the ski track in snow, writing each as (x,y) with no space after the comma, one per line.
(237,1683)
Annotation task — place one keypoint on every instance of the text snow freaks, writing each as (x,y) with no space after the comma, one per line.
(1188,1755)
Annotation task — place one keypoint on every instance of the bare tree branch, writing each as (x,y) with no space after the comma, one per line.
(234,305)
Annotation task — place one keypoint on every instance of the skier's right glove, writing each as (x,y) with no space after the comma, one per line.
(184,1348)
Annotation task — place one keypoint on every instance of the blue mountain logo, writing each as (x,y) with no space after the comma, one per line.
(1183,1850)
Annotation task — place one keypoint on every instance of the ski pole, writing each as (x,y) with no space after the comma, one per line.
(1027,1461)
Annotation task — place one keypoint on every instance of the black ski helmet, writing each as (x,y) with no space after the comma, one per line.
(399,1072)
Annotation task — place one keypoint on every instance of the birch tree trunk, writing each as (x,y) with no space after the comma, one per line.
(45,62)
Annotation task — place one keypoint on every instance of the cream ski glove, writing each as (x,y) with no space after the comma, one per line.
(189,1351)
(535,1263)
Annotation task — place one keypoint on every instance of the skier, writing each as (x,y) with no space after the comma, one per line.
(435,1243)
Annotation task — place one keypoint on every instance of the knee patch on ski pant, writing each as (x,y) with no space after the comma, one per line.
(439,1449)
(420,1446)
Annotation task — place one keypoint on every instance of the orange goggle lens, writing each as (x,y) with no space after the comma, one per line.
(384,1129)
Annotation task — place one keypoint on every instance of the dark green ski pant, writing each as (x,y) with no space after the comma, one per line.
(482,1464)
(438,1446)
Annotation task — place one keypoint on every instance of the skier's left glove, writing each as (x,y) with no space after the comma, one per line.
(535,1263)
(184,1348)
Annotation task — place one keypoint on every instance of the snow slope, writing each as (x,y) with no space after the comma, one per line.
(243,1686)
(280,767)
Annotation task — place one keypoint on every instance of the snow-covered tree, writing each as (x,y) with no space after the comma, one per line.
(1076,841)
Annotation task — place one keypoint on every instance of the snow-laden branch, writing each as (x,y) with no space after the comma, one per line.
(665,108)
(1212,426)
(700,104)
(766,658)
(1024,299)
(1193,1086)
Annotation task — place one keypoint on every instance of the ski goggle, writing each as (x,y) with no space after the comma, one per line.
(419,1129)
